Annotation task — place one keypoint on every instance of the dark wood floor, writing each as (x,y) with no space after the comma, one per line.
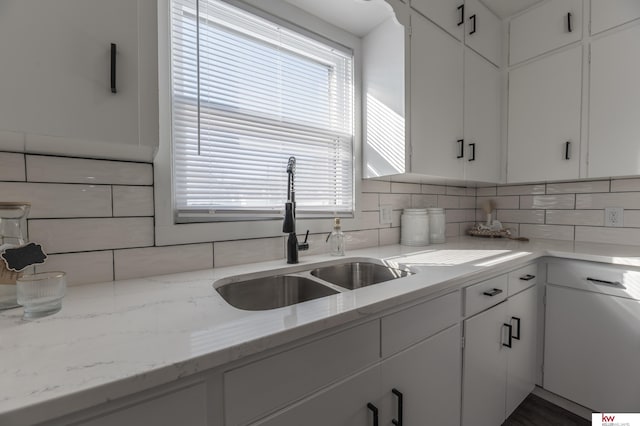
(535,411)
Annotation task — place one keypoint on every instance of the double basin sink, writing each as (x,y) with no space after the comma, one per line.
(284,289)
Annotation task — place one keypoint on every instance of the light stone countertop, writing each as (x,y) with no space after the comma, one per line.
(116,338)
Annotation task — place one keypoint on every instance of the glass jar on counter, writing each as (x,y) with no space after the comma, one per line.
(13,233)
(437,225)
(414,227)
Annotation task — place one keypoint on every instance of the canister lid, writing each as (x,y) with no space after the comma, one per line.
(414,211)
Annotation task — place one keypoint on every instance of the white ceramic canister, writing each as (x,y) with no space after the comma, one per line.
(414,227)
(436,225)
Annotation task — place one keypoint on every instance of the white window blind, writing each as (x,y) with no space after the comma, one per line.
(247,94)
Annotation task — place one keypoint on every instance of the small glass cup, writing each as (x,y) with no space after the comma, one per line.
(41,294)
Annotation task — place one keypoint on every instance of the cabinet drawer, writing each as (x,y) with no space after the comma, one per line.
(522,278)
(595,277)
(605,14)
(544,28)
(407,327)
(485,294)
(254,390)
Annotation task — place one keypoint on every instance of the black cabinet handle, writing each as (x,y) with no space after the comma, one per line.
(472,18)
(508,345)
(527,277)
(493,292)
(570,22)
(461,9)
(517,337)
(374,410)
(114,50)
(473,151)
(605,282)
(397,393)
(567,150)
(461,145)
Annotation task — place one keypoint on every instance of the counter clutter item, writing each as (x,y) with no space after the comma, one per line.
(41,294)
(484,231)
(336,239)
(437,225)
(13,226)
(414,227)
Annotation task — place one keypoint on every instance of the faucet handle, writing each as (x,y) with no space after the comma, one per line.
(304,245)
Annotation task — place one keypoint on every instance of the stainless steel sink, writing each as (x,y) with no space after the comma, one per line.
(358,274)
(272,292)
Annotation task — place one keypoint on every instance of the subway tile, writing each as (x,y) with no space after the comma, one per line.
(42,168)
(456,215)
(578,187)
(133,201)
(361,239)
(625,185)
(629,236)
(471,192)
(405,188)
(467,202)
(508,202)
(465,227)
(12,166)
(81,268)
(489,191)
(73,235)
(456,190)
(434,189)
(452,230)
(424,201)
(514,228)
(370,220)
(375,186)
(521,216)
(396,201)
(448,201)
(521,189)
(553,232)
(237,252)
(631,218)
(369,201)
(389,236)
(148,261)
(395,218)
(51,200)
(575,217)
(600,201)
(563,201)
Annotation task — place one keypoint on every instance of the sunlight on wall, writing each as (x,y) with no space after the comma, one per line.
(385,139)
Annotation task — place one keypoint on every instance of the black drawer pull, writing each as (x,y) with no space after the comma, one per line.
(517,337)
(527,277)
(472,18)
(114,51)
(397,393)
(473,151)
(609,283)
(567,150)
(461,9)
(493,292)
(461,145)
(374,410)
(508,345)
(570,22)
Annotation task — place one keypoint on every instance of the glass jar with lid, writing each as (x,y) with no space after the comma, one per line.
(13,233)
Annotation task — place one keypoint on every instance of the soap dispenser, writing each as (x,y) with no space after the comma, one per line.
(336,239)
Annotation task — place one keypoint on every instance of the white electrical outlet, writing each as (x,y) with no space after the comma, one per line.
(614,216)
(385,214)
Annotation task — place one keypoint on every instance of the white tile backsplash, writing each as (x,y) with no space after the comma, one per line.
(389,236)
(575,217)
(608,235)
(521,216)
(81,268)
(489,191)
(424,201)
(448,201)
(228,253)
(41,168)
(12,167)
(375,186)
(505,202)
(455,190)
(133,201)
(361,239)
(563,201)
(625,185)
(405,188)
(600,201)
(578,187)
(554,232)
(434,189)
(521,189)
(54,200)
(398,201)
(143,262)
(370,201)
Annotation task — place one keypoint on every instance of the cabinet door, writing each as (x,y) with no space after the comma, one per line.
(544,114)
(614,104)
(607,14)
(521,362)
(55,69)
(436,101)
(483,31)
(447,14)
(344,404)
(485,360)
(592,348)
(428,377)
(482,90)
(549,26)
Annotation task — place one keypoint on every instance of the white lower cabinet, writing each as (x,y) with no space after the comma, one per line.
(499,359)
(592,337)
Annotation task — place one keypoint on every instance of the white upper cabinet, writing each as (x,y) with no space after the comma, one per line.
(549,26)
(544,118)
(483,31)
(614,103)
(607,14)
(436,101)
(447,14)
(482,100)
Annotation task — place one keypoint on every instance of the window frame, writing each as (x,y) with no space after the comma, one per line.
(167,231)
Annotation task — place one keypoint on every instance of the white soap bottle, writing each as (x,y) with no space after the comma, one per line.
(336,239)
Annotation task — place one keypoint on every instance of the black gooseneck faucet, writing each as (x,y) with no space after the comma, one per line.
(289,224)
